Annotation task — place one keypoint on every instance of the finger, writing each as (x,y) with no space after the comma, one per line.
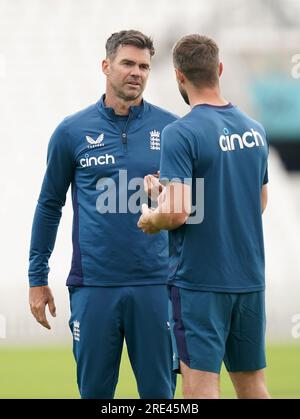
(145,185)
(145,208)
(33,310)
(34,313)
(52,307)
(140,222)
(41,316)
(45,324)
(153,179)
(162,196)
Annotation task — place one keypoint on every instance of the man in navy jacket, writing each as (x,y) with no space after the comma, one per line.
(118,275)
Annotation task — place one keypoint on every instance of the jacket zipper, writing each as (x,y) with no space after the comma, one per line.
(124,135)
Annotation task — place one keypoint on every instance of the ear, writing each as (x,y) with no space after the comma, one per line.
(220,69)
(179,76)
(106,66)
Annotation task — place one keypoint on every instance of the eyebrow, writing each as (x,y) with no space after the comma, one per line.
(126,60)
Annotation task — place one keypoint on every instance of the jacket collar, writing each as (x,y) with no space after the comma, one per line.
(109,113)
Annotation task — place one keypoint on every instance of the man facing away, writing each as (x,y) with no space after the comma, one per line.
(118,275)
(216,280)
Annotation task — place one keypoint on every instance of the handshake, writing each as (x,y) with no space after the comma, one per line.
(155,191)
(153,188)
(173,205)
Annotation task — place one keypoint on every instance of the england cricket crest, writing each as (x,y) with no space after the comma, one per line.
(154,140)
(76,330)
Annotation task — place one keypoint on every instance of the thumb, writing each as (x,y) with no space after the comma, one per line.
(52,308)
(145,208)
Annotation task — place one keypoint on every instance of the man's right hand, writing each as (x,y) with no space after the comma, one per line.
(39,297)
(152,187)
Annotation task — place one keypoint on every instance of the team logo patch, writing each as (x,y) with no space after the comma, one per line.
(95,143)
(76,330)
(154,140)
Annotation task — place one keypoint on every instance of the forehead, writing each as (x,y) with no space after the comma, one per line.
(132,53)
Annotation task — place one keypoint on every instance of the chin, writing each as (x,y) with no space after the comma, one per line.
(131,96)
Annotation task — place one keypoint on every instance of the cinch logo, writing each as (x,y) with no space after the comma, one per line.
(249,139)
(94,161)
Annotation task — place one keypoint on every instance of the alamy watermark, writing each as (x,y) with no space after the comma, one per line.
(2,327)
(296,327)
(295,72)
(123,196)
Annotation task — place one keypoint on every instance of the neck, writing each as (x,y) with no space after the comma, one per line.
(119,105)
(210,96)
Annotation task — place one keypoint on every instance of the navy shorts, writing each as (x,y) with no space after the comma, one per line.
(208,328)
(101,318)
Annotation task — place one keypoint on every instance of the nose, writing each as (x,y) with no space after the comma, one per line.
(135,71)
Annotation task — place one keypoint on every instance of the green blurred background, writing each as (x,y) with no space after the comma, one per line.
(50,373)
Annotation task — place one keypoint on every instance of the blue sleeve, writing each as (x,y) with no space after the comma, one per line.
(57,179)
(176,155)
(266,175)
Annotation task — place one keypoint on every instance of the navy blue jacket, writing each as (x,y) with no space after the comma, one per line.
(99,153)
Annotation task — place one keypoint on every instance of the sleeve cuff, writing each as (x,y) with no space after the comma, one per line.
(37,282)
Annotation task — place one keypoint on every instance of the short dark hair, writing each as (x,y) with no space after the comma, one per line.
(130,37)
(197,56)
